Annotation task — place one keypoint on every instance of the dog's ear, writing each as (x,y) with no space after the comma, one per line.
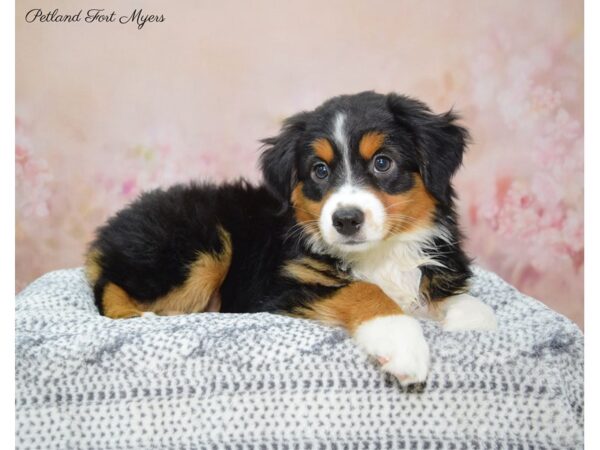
(440,142)
(278,160)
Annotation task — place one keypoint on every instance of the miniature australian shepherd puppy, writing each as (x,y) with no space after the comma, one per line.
(355,225)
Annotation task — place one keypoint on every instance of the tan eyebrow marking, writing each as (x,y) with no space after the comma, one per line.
(323,149)
(370,143)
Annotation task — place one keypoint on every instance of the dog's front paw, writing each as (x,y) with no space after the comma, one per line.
(398,344)
(465,312)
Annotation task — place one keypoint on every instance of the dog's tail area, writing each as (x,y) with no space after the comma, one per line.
(99,287)
(111,300)
(93,273)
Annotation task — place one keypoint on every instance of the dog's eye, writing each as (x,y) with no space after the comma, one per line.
(320,170)
(382,163)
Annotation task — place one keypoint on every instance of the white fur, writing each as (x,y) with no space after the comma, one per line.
(349,196)
(394,264)
(341,140)
(399,343)
(465,312)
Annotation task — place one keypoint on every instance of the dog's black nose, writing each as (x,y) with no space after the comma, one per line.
(348,221)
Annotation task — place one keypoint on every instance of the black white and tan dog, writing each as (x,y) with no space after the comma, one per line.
(355,225)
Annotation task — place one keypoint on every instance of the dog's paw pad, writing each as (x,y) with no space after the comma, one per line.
(382,360)
(397,342)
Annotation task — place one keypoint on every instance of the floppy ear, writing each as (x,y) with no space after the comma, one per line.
(278,161)
(440,142)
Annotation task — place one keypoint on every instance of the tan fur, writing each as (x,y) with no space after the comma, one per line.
(117,304)
(315,264)
(306,271)
(200,290)
(307,211)
(92,266)
(370,143)
(408,211)
(323,149)
(352,305)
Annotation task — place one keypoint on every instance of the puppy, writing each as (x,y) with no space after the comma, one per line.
(355,225)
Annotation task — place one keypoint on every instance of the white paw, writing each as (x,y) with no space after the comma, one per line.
(148,314)
(399,345)
(465,312)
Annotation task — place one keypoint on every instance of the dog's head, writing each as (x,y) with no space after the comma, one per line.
(361,168)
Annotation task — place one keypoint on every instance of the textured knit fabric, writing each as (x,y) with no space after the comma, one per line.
(262,381)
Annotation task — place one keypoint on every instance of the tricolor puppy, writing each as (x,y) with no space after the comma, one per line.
(355,226)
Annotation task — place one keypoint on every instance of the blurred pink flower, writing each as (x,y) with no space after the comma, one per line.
(533,204)
(32,177)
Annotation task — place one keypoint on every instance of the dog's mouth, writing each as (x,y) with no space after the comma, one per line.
(354,245)
(353,242)
(340,245)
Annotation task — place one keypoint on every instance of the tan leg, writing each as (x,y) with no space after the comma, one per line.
(352,305)
(199,292)
(379,327)
(118,304)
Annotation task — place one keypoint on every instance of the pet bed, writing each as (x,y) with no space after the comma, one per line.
(261,381)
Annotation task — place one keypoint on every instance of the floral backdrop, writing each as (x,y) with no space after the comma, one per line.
(105,110)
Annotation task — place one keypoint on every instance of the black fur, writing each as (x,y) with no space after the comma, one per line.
(440,143)
(278,163)
(146,248)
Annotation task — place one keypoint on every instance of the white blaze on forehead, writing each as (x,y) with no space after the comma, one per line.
(341,140)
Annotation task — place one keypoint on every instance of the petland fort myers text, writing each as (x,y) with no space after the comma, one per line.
(137,17)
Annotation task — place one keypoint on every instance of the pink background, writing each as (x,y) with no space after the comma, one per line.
(105,111)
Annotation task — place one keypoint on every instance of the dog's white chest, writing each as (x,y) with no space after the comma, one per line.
(402,286)
(395,269)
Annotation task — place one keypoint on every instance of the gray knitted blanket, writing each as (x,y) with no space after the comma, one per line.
(261,381)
